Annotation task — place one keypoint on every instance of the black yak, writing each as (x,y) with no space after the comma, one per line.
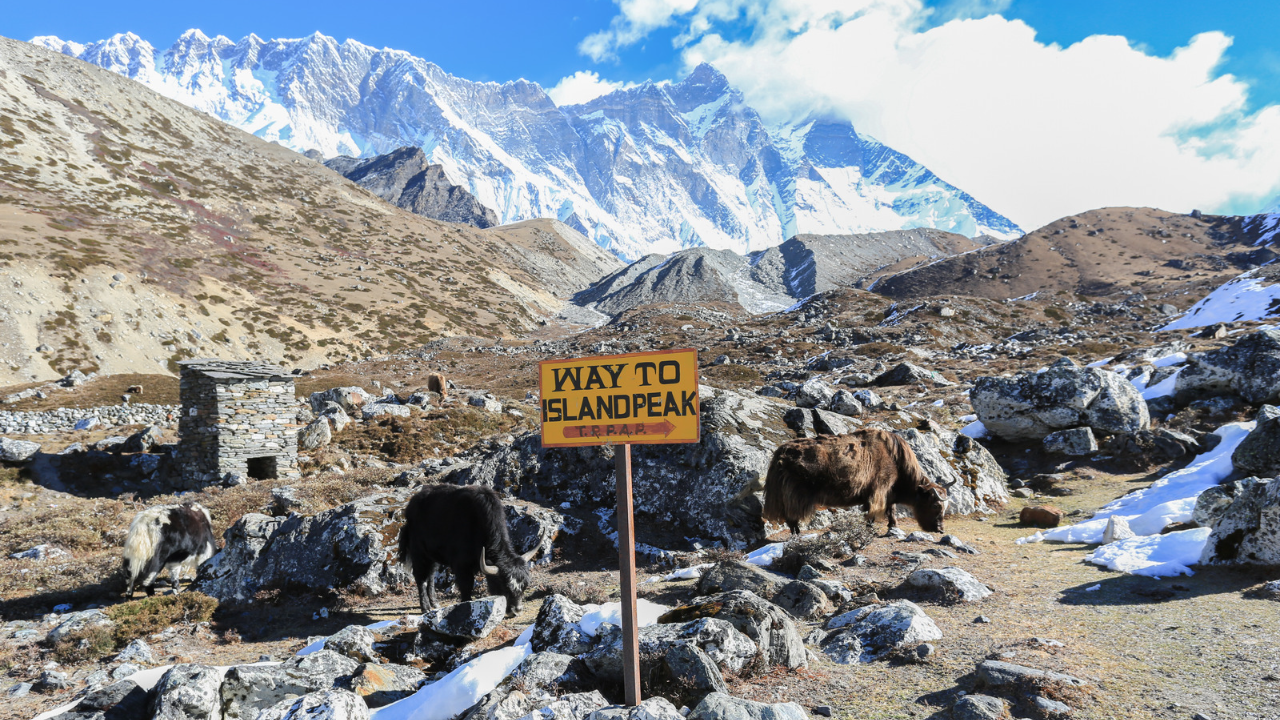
(166,537)
(872,468)
(463,528)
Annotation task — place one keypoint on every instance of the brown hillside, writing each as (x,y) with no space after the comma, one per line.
(135,232)
(1103,252)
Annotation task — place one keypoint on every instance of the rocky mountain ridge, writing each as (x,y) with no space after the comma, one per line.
(769,280)
(655,168)
(404,178)
(1099,253)
(135,232)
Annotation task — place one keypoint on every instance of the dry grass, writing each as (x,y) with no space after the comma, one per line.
(133,619)
(139,618)
(101,391)
(849,532)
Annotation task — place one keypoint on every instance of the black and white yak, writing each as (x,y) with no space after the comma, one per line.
(463,528)
(167,537)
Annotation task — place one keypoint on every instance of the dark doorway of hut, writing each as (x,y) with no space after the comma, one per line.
(262,468)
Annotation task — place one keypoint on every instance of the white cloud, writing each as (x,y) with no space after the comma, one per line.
(583,86)
(1035,130)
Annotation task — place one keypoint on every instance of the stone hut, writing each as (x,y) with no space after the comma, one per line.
(237,418)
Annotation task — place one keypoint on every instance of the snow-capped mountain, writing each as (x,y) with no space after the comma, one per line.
(654,168)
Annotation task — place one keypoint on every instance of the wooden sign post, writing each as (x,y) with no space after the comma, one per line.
(620,400)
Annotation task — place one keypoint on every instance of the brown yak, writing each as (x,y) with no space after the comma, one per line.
(436,384)
(872,468)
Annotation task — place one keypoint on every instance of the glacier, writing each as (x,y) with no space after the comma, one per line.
(654,168)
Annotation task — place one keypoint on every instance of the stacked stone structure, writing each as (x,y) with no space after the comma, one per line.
(237,418)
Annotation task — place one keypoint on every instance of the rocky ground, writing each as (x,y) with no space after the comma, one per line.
(1140,647)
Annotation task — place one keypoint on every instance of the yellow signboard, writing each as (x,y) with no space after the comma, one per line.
(647,397)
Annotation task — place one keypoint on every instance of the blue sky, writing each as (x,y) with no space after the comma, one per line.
(1026,104)
(488,40)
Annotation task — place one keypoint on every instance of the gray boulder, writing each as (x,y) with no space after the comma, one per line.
(530,526)
(136,652)
(349,399)
(1073,442)
(845,403)
(721,706)
(143,441)
(710,489)
(249,689)
(869,399)
(804,600)
(467,621)
(884,628)
(730,649)
(384,683)
(333,704)
(1259,453)
(654,708)
(572,706)
(691,668)
(974,481)
(800,420)
(336,416)
(542,669)
(556,628)
(826,422)
(345,547)
(997,673)
(843,647)
(736,575)
(907,374)
(1030,405)
(1247,532)
(979,707)
(355,642)
(385,409)
(315,435)
(1213,502)
(188,692)
(814,393)
(117,701)
(16,451)
(768,625)
(952,582)
(1249,369)
(77,622)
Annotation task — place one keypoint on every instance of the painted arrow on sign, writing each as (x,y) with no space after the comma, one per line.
(663,428)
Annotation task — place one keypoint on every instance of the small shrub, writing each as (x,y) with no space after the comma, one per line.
(139,618)
(850,531)
(85,645)
(587,594)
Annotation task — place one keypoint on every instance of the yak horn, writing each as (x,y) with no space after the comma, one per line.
(486,567)
(529,556)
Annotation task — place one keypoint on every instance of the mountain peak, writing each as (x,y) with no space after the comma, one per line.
(652,168)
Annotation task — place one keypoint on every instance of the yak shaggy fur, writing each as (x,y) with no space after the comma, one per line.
(463,528)
(872,468)
(166,537)
(437,384)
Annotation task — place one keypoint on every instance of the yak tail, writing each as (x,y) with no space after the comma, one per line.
(144,535)
(784,501)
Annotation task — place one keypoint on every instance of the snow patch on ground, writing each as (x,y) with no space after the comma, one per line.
(1148,511)
(975,430)
(451,695)
(1246,297)
(1153,555)
(767,554)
